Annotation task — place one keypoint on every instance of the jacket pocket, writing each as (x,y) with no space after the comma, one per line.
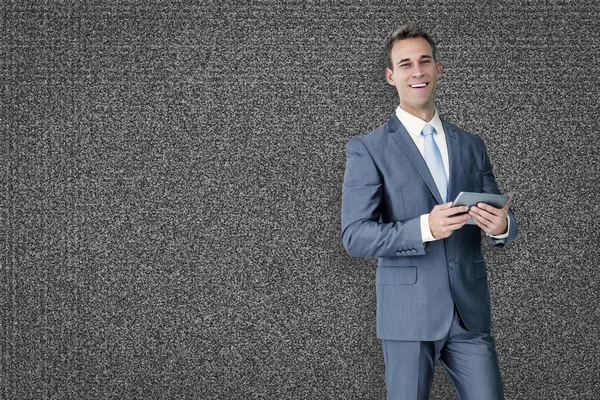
(396,275)
(480,269)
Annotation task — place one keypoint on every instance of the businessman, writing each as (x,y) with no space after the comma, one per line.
(432,294)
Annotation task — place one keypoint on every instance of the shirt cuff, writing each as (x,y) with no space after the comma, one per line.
(426,235)
(504,235)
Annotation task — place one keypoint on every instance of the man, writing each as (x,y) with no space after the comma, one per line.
(432,293)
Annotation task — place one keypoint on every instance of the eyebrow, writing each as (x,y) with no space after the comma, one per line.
(424,56)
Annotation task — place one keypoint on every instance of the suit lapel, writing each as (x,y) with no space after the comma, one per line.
(406,143)
(454,159)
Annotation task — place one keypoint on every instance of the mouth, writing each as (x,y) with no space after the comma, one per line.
(419,85)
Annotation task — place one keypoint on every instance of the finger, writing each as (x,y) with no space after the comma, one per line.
(488,208)
(447,229)
(452,227)
(483,215)
(454,210)
(444,206)
(456,226)
(491,228)
(488,222)
(456,222)
(483,223)
(489,212)
(458,219)
(481,226)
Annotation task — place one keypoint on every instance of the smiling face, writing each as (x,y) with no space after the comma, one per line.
(414,74)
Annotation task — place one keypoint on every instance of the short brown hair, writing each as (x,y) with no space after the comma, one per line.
(406,31)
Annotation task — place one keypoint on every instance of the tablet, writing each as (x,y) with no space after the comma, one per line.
(471,198)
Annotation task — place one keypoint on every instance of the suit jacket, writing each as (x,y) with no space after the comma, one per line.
(387,187)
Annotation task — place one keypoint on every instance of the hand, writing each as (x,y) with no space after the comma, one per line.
(491,220)
(443,219)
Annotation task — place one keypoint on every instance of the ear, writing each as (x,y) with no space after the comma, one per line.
(389,76)
(438,67)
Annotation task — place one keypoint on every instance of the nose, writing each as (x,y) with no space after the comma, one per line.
(417,71)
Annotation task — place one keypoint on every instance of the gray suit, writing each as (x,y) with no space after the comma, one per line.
(387,187)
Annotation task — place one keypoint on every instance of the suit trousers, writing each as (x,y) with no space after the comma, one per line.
(469,358)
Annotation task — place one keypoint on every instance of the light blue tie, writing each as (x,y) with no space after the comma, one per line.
(433,158)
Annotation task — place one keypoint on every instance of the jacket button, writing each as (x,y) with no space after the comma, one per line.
(398,253)
(452,264)
(413,252)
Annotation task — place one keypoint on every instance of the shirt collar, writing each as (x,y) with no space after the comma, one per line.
(414,125)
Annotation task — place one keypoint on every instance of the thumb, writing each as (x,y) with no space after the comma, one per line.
(445,206)
(510,198)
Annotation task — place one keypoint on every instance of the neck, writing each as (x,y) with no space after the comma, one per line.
(426,113)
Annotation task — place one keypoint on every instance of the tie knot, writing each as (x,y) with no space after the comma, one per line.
(428,130)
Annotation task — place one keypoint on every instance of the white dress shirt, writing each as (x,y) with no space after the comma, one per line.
(414,125)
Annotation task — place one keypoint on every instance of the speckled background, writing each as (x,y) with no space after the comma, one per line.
(171,183)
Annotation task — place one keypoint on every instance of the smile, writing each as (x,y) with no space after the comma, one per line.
(418,85)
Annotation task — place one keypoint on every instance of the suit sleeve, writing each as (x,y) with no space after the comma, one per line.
(363,232)
(490,186)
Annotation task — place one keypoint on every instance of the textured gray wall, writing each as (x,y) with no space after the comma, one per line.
(171,183)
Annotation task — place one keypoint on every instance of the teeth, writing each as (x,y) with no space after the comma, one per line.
(418,85)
